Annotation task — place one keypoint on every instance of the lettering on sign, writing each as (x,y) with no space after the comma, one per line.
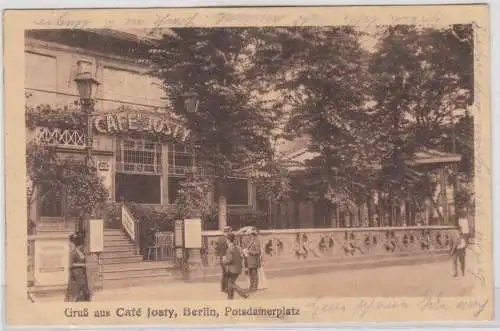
(135,122)
(103,166)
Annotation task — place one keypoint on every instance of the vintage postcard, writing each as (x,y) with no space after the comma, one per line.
(248,165)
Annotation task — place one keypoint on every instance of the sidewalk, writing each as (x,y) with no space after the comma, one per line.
(408,280)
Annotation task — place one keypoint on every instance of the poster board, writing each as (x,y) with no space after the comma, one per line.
(463,223)
(96,236)
(51,265)
(192,233)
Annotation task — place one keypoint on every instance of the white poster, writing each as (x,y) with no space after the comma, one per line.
(192,233)
(51,267)
(96,236)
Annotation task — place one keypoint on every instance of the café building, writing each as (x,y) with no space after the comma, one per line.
(138,143)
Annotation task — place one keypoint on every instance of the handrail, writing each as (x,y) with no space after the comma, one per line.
(130,225)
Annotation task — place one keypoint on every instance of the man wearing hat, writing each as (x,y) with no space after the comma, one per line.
(234,262)
(221,250)
(253,260)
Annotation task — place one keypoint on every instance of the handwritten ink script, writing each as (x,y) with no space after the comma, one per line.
(74,20)
(367,307)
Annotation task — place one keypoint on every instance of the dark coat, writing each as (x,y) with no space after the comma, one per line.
(221,246)
(233,260)
(253,259)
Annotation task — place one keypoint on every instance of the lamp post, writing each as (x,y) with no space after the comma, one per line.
(87,88)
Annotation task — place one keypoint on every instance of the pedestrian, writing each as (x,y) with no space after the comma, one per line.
(457,252)
(78,285)
(234,263)
(253,255)
(221,250)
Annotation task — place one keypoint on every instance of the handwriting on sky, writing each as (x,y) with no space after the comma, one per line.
(69,20)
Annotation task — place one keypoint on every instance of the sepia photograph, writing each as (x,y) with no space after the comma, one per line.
(251,163)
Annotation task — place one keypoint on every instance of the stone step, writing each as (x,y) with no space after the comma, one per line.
(138,272)
(122,259)
(115,246)
(122,253)
(141,265)
(121,248)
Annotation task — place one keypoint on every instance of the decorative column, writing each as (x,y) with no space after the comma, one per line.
(444,197)
(222,211)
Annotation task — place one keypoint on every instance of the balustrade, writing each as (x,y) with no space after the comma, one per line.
(60,137)
(129,224)
(293,245)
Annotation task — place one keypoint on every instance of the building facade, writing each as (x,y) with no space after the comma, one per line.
(137,141)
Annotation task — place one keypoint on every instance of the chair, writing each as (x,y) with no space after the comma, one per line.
(165,242)
(162,242)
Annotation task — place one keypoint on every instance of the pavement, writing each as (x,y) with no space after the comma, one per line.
(389,281)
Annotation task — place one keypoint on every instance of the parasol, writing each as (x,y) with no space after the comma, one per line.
(246,230)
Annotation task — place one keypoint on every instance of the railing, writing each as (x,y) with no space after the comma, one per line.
(60,137)
(292,245)
(130,226)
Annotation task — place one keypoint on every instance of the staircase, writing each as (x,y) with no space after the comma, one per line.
(122,266)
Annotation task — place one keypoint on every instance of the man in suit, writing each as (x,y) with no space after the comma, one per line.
(253,261)
(221,250)
(234,263)
(457,251)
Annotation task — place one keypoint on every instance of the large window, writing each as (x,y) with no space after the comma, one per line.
(180,159)
(137,156)
(138,188)
(138,171)
(237,191)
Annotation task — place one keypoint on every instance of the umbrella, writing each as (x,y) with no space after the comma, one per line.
(245,230)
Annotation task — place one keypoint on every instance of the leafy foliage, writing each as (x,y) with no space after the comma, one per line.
(50,172)
(50,117)
(193,197)
(231,124)
(82,186)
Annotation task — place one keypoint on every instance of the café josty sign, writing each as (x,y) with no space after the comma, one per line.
(136,122)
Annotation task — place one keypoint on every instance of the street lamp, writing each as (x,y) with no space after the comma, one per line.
(191,102)
(87,88)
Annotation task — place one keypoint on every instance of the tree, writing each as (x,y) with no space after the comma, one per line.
(322,78)
(230,124)
(422,78)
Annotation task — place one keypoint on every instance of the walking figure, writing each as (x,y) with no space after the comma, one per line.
(253,261)
(221,250)
(234,262)
(458,250)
